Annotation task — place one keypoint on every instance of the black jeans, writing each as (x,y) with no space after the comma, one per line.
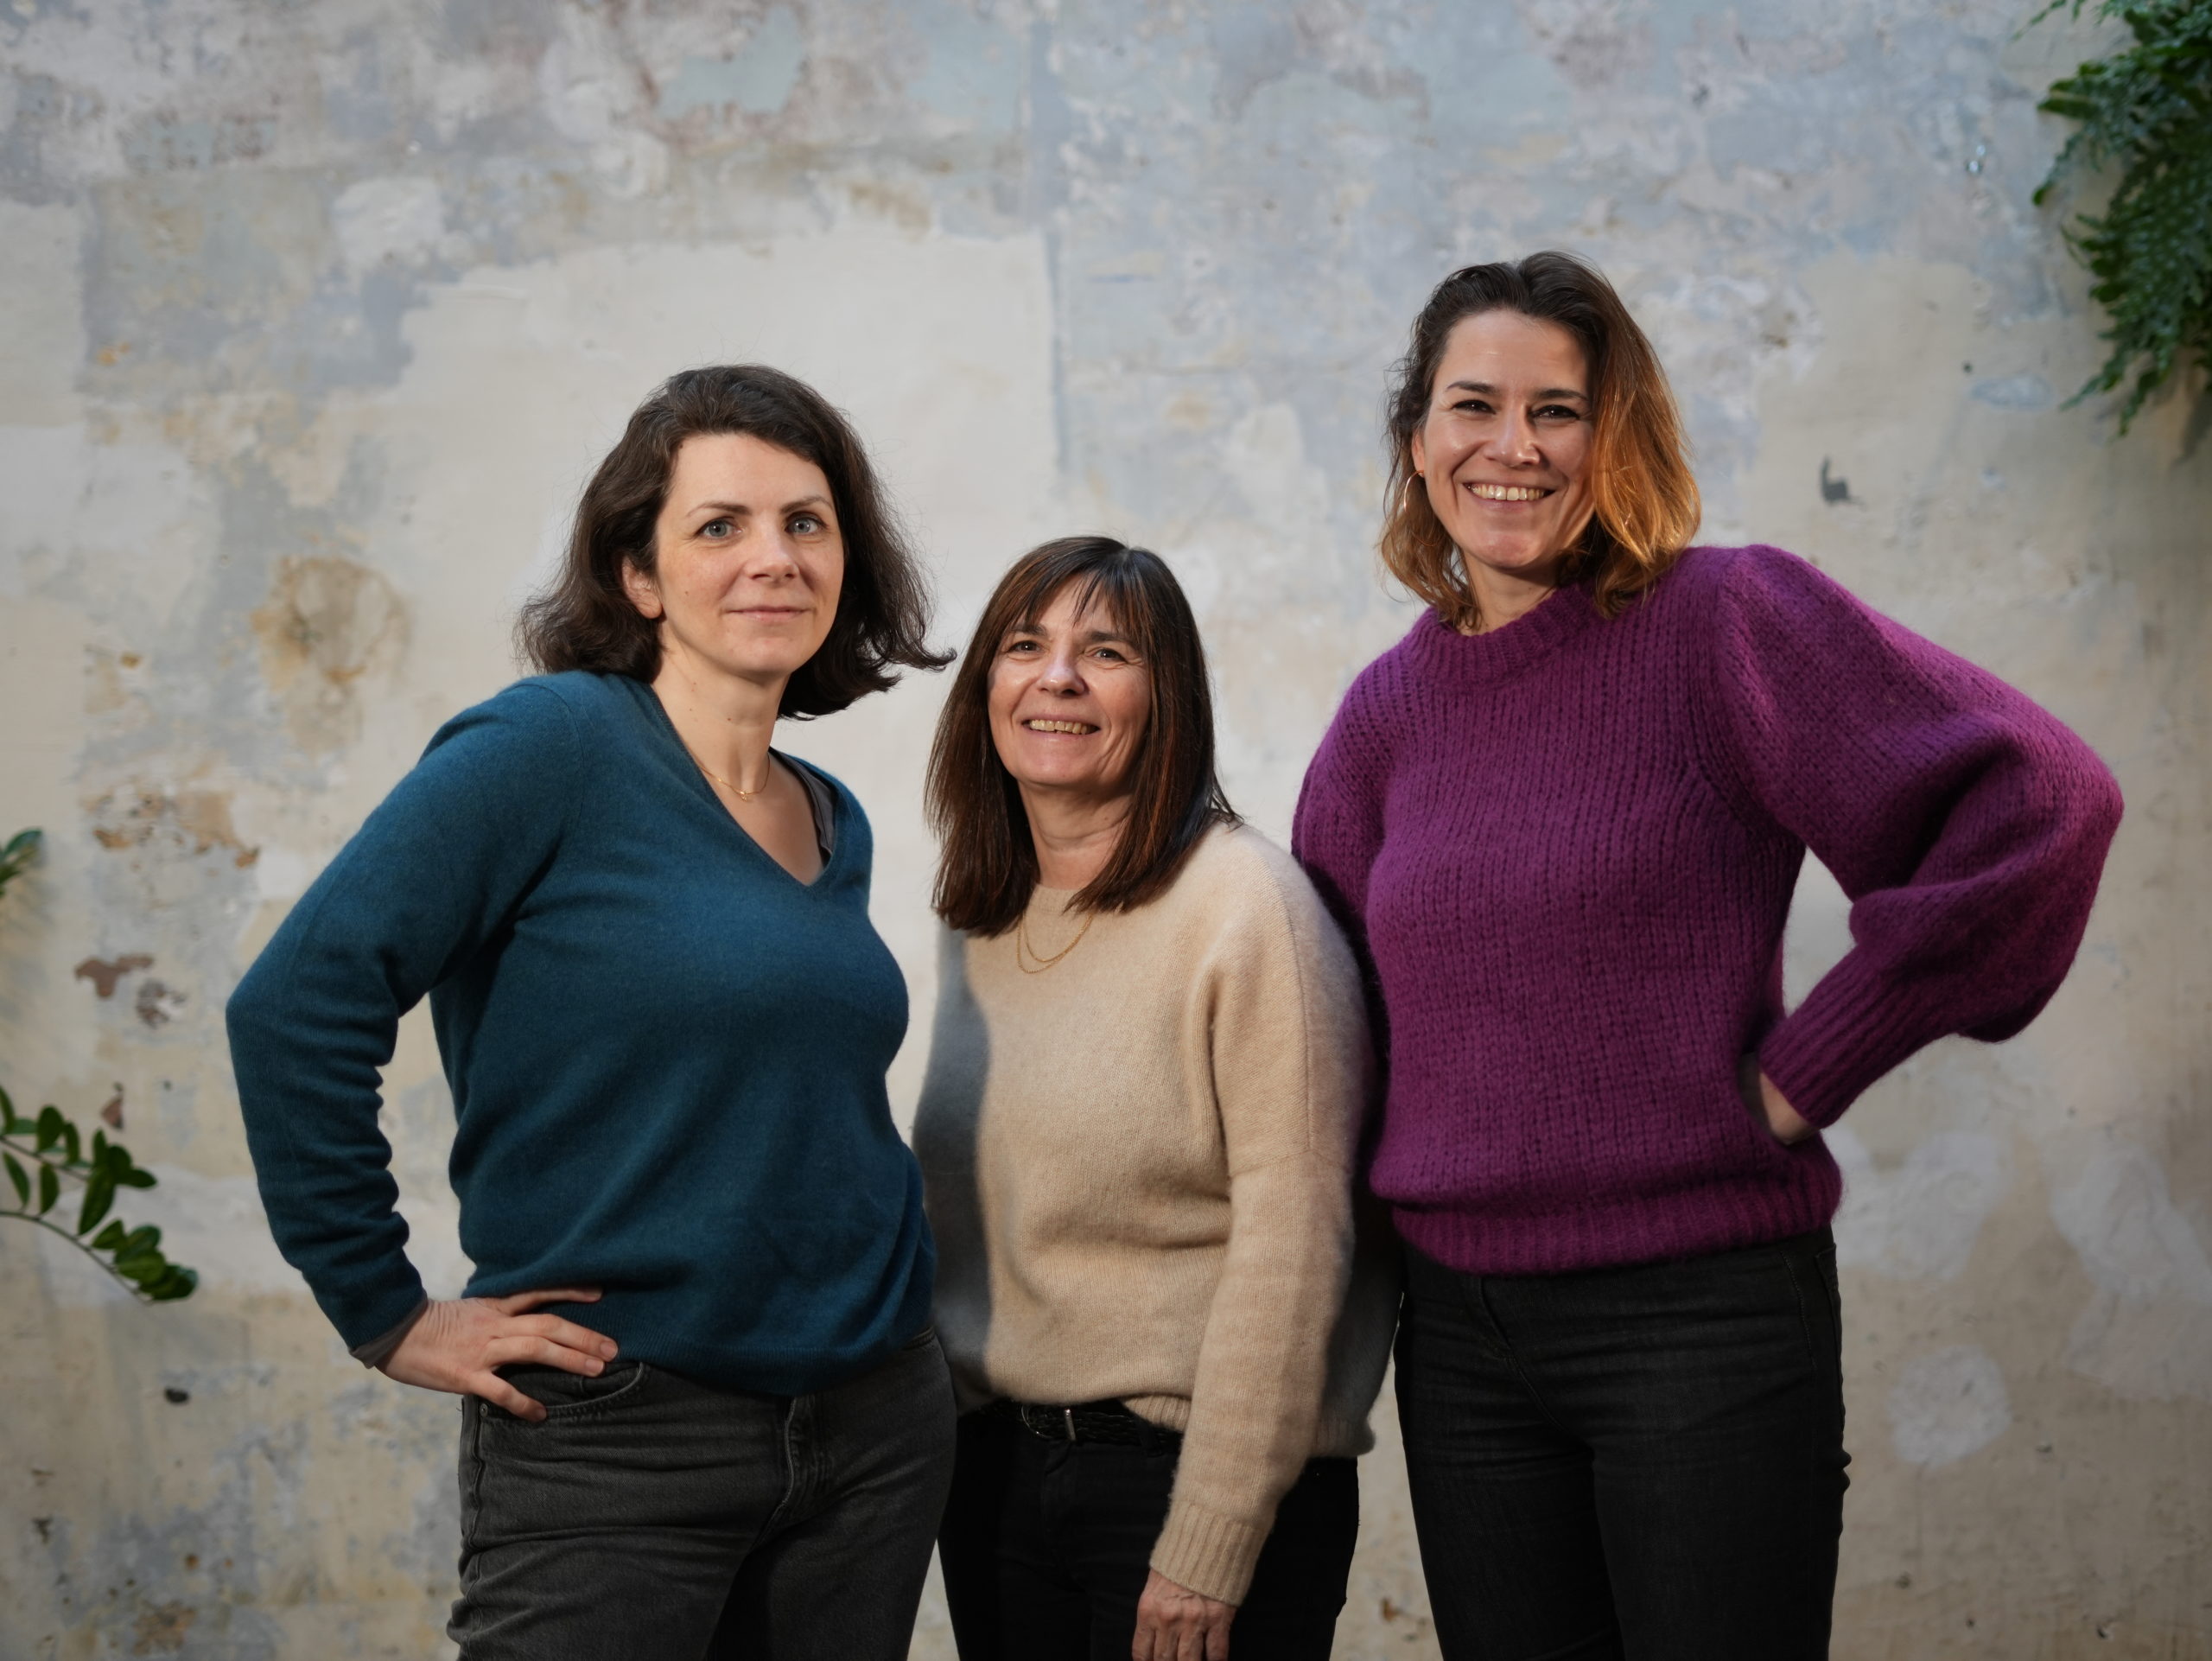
(1644,1463)
(652,1517)
(1046,1545)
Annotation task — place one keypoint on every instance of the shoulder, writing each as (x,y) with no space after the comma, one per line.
(1388,676)
(553,708)
(1245,883)
(1756,574)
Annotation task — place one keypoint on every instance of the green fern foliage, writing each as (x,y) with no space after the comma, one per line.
(2148,111)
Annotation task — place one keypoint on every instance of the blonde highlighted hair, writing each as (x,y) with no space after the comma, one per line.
(1644,498)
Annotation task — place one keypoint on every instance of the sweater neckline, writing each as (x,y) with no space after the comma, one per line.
(1560,616)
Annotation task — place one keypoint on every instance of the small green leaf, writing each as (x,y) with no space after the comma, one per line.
(99,1149)
(139,1240)
(178,1282)
(135,1178)
(7,1114)
(20,1178)
(110,1237)
(75,1155)
(49,1127)
(49,1189)
(99,1196)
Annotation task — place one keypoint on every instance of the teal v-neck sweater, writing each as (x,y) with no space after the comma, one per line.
(667,1054)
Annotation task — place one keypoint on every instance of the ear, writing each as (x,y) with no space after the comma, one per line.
(644,593)
(1420,447)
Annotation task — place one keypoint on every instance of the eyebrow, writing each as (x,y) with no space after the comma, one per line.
(1090,636)
(725,508)
(1484,386)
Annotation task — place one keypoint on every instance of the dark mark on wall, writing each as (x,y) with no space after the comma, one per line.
(111,1113)
(1832,490)
(156,1003)
(103,974)
(179,1396)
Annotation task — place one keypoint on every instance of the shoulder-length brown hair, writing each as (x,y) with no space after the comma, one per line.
(988,867)
(1643,493)
(584,619)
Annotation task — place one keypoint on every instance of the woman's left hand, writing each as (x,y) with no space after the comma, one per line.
(1767,1103)
(1176,1624)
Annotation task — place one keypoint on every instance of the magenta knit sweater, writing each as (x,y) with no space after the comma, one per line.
(1565,851)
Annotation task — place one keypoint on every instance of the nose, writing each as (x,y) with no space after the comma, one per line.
(1513,440)
(774,559)
(1063,672)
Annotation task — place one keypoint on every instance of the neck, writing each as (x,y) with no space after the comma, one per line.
(724,720)
(1502,597)
(1074,835)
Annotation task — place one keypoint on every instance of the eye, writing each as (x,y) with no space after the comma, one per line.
(718,529)
(1558,412)
(1111,654)
(1474,406)
(807,524)
(1012,647)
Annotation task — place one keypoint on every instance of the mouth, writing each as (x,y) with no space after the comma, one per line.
(1507,493)
(1073,729)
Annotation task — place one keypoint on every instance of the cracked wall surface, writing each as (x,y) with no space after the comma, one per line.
(314,317)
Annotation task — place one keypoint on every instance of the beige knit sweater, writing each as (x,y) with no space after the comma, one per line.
(1139,1167)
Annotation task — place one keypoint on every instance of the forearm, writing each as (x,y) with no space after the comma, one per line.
(1255,1400)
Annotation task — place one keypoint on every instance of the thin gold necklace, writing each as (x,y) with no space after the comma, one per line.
(741,795)
(1021,945)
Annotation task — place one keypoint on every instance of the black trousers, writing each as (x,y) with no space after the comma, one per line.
(1045,1546)
(650,1517)
(1640,1464)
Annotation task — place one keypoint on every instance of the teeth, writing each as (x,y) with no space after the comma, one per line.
(1508,493)
(1075,727)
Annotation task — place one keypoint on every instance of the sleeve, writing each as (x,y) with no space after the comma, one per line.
(1337,830)
(1291,1076)
(433,873)
(1967,827)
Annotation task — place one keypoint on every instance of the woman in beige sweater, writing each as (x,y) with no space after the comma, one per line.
(1138,1135)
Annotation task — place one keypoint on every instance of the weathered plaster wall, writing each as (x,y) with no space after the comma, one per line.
(313,317)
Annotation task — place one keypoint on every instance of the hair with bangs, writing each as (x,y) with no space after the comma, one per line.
(988,866)
(1643,496)
(586,620)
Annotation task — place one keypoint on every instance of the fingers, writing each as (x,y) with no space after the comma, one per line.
(520,1348)
(561,1332)
(1217,1640)
(497,1391)
(516,1303)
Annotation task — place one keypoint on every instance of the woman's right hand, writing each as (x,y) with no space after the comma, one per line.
(457,1343)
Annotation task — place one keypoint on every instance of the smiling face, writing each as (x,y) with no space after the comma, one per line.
(747,560)
(1506,447)
(1069,699)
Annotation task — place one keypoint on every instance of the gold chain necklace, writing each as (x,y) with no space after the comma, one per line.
(741,795)
(1021,945)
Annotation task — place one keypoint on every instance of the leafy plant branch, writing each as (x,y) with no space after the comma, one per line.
(17,854)
(2148,110)
(51,1146)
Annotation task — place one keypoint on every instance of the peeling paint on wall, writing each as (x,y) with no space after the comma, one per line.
(312,319)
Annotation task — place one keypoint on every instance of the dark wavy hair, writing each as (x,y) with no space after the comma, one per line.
(1644,496)
(986,868)
(584,619)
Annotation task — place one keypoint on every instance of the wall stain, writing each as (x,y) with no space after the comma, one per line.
(190,822)
(105,972)
(327,622)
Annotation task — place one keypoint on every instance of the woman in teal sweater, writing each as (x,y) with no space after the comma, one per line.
(703,1411)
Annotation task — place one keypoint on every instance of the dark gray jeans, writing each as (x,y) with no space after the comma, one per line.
(652,1517)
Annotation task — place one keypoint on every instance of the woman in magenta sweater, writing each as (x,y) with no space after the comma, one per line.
(1562,820)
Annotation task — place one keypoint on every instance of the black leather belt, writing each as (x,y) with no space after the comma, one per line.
(1088,1421)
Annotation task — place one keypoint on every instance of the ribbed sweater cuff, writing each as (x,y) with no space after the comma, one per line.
(1852,1027)
(1207,1553)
